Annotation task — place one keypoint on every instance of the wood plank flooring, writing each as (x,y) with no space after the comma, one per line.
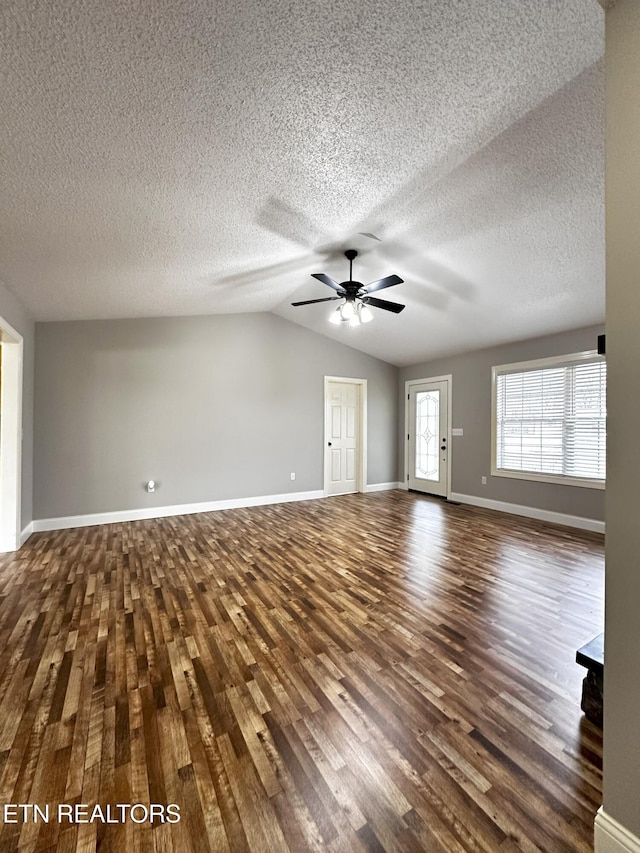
(361,673)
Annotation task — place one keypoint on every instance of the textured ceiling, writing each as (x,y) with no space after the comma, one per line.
(170,158)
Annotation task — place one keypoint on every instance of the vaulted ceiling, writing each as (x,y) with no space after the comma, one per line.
(169,158)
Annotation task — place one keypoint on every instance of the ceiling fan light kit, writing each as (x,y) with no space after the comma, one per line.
(365,313)
(353,314)
(355,310)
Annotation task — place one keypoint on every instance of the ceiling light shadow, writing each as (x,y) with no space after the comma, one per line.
(245,278)
(470,191)
(284,220)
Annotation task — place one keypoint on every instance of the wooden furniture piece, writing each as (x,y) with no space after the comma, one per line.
(591,656)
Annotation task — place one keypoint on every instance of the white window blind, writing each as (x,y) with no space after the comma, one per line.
(552,420)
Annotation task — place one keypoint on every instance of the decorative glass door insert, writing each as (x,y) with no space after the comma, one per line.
(427,426)
(428,436)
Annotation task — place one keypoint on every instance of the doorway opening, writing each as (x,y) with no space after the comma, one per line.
(428,431)
(345,435)
(11,351)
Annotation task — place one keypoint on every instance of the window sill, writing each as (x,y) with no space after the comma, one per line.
(531,476)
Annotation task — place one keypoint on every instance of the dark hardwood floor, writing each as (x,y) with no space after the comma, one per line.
(367,672)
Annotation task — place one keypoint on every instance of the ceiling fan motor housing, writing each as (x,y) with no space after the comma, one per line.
(351,288)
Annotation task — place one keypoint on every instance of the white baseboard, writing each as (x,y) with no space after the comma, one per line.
(16,541)
(64,522)
(609,836)
(26,533)
(382,487)
(531,512)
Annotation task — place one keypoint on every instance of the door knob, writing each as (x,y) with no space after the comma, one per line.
(328,444)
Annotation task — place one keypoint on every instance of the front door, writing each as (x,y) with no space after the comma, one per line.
(428,437)
(342,430)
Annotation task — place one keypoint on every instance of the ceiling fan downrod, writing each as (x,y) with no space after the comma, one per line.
(350,254)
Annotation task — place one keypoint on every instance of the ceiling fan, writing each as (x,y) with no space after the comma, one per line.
(355,309)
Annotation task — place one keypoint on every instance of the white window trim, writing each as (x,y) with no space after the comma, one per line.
(538,364)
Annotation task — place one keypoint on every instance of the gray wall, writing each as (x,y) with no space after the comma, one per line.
(213,408)
(471,406)
(622,587)
(17,317)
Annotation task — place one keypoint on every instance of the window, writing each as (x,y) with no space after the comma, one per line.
(549,420)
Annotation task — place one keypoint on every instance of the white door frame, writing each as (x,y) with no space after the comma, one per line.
(448,378)
(11,438)
(361,478)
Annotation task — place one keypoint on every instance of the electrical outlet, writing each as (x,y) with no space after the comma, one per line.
(293,476)
(484,481)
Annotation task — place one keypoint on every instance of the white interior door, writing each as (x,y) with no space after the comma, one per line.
(428,437)
(342,431)
(10,437)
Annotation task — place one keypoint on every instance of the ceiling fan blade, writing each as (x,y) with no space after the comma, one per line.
(387,281)
(312,301)
(326,280)
(395,307)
